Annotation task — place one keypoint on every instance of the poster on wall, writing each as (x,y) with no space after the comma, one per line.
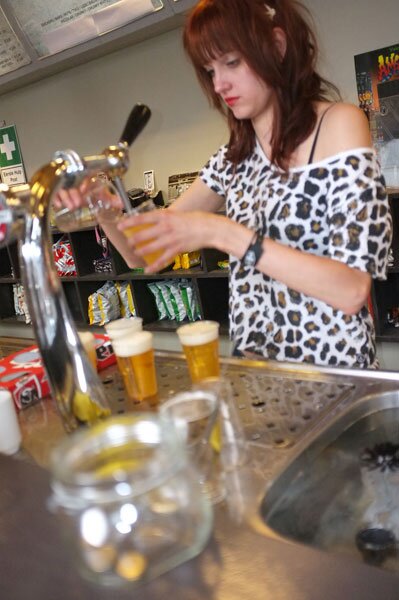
(55,26)
(12,54)
(377,79)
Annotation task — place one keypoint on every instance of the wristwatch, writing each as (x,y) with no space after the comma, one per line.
(254,251)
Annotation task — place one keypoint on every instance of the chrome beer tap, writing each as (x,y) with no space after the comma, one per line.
(24,216)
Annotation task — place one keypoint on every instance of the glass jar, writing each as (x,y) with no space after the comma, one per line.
(129,501)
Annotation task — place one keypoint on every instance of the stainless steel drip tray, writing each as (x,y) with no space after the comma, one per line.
(341,493)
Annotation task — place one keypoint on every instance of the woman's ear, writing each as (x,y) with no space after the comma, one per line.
(280,39)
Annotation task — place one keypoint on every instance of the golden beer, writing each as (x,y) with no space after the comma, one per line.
(89,344)
(135,357)
(200,341)
(151,256)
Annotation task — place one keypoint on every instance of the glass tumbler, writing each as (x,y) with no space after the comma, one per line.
(99,203)
(128,501)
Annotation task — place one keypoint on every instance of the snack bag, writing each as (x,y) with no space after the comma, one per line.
(63,258)
(190,259)
(173,289)
(104,304)
(125,299)
(159,301)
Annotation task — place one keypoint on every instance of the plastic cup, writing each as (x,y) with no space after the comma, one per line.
(10,433)
(146,206)
(122,327)
(200,341)
(89,344)
(136,363)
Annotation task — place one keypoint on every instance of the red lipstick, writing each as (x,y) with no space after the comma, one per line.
(231,101)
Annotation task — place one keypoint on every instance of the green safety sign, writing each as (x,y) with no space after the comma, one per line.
(10,154)
(11,165)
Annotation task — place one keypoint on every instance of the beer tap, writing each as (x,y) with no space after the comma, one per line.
(24,216)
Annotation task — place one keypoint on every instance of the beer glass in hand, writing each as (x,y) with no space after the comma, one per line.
(200,341)
(146,206)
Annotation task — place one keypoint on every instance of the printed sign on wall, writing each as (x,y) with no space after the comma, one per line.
(11,164)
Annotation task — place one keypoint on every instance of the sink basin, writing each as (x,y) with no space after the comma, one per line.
(343,486)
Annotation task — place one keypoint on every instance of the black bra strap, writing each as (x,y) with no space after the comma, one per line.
(312,151)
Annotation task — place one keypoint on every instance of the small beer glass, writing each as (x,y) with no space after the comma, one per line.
(200,341)
(89,344)
(121,327)
(135,359)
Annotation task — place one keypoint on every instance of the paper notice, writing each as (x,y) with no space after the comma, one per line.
(54,26)
(12,53)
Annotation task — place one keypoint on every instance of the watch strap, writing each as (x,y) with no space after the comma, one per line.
(254,251)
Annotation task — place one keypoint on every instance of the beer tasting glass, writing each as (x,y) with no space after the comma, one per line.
(128,501)
(136,363)
(195,415)
(121,327)
(146,206)
(99,204)
(89,344)
(200,341)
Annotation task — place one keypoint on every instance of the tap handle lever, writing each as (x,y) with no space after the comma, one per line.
(136,122)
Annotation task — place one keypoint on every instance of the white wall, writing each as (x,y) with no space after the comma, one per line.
(85,109)
(347,28)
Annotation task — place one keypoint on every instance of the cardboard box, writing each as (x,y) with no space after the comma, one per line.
(22,373)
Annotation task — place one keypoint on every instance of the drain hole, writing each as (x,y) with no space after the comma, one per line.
(306,417)
(293,428)
(270,425)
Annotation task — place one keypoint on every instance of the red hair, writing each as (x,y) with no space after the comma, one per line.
(215,27)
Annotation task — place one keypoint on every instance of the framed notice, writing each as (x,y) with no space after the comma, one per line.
(55,26)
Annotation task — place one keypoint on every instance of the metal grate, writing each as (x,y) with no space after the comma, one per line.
(275,410)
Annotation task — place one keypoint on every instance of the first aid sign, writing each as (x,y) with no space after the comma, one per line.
(11,165)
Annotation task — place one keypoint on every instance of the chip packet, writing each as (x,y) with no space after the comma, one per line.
(125,299)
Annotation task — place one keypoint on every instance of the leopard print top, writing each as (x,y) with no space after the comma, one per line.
(336,207)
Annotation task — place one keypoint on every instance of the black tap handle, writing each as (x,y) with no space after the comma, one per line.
(137,120)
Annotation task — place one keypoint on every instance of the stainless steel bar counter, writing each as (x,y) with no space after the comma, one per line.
(281,406)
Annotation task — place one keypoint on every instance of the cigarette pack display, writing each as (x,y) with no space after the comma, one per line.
(23,375)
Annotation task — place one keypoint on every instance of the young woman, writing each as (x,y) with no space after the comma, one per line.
(307,222)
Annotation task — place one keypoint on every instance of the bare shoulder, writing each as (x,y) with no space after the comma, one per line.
(345,127)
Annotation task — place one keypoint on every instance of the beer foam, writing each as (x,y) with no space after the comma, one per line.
(200,332)
(136,343)
(123,326)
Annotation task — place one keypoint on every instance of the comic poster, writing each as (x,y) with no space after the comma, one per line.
(377,79)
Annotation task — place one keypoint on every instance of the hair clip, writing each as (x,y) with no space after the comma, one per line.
(270,11)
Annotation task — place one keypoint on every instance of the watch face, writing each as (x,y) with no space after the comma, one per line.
(250,259)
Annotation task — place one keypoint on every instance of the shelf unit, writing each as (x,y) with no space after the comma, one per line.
(385,294)
(210,283)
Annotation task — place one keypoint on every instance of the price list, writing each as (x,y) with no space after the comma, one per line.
(12,53)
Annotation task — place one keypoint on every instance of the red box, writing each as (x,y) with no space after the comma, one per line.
(22,373)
